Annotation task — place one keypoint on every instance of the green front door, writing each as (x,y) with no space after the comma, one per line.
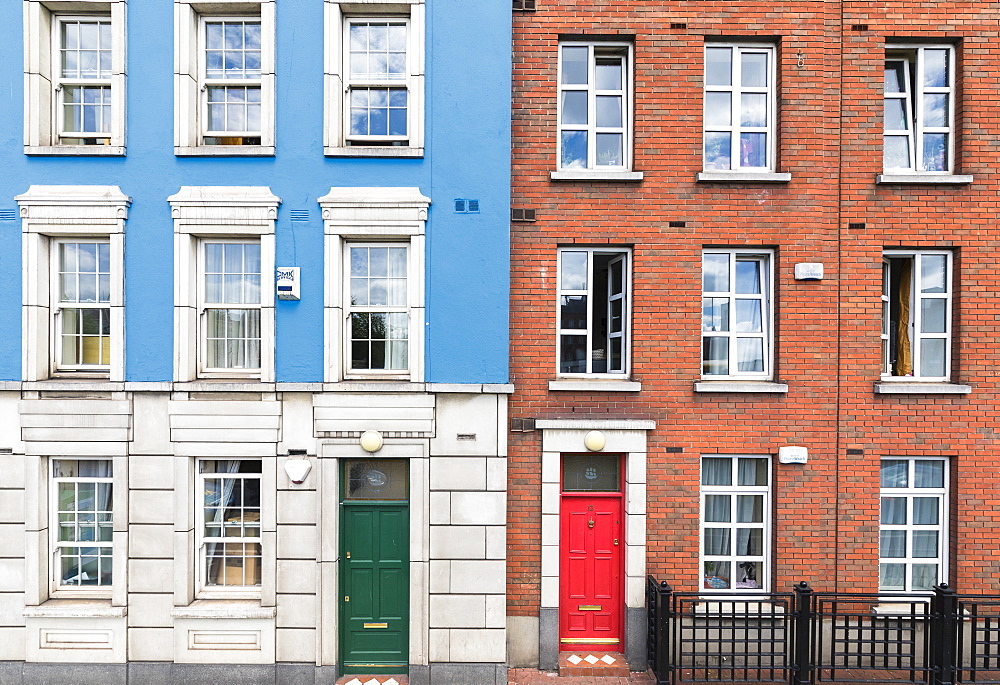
(374,585)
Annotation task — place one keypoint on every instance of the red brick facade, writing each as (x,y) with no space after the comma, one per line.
(830,60)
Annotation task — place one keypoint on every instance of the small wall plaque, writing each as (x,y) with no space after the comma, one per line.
(793,454)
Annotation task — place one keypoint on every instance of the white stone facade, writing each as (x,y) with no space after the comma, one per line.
(453,437)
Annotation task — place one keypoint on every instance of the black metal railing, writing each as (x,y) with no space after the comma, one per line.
(808,638)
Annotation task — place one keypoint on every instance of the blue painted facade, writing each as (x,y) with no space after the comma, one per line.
(467,154)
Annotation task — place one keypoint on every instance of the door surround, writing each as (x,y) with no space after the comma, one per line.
(626,437)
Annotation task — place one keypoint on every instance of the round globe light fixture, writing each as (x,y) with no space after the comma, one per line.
(595,441)
(371,441)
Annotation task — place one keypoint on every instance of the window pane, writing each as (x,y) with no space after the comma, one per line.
(591,473)
(717,508)
(895,71)
(574,64)
(715,314)
(718,66)
(572,354)
(609,111)
(716,471)
(935,152)
(894,473)
(718,109)
(892,544)
(573,270)
(928,473)
(750,355)
(609,149)
(925,544)
(896,153)
(925,576)
(574,107)
(750,541)
(932,353)
(715,272)
(717,150)
(892,576)
(609,74)
(752,471)
(715,356)
(933,273)
(753,109)
(573,312)
(717,541)
(893,511)
(748,316)
(574,149)
(935,68)
(925,511)
(382,479)
(717,575)
(932,315)
(754,69)
(749,509)
(895,117)
(748,573)
(935,110)
(753,149)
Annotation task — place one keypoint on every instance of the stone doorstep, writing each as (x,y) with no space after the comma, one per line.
(373,680)
(590,663)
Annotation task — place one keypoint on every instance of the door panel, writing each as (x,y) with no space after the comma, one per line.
(374,588)
(590,584)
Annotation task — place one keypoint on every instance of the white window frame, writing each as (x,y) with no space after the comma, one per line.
(381,216)
(190,107)
(596,50)
(58,307)
(733,491)
(205,307)
(913,103)
(203,589)
(43,81)
(909,493)
(74,213)
(736,90)
(917,337)
(57,589)
(625,255)
(216,214)
(209,83)
(766,296)
(337,140)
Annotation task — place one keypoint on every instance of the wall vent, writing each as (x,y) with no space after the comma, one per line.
(299,214)
(522,425)
(517,214)
(465,206)
(678,224)
(8,214)
(674,450)
(859,27)
(856,226)
(524,5)
(678,25)
(855,453)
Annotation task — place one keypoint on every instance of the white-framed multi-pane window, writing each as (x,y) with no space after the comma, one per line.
(593,310)
(377,91)
(228,503)
(916,314)
(739,109)
(595,100)
(919,109)
(735,522)
(230,306)
(81,525)
(74,77)
(81,306)
(224,78)
(374,78)
(377,308)
(912,523)
(231,80)
(736,313)
(83,85)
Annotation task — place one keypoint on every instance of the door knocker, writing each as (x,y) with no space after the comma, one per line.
(590,523)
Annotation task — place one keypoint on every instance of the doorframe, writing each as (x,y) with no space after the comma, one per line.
(619,497)
(624,437)
(328,496)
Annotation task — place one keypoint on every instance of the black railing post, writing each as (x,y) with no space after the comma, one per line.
(802,623)
(943,625)
(658,615)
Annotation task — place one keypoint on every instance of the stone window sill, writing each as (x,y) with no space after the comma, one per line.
(917,388)
(740,386)
(743,177)
(924,179)
(75,608)
(595,385)
(373,151)
(895,609)
(224,608)
(225,151)
(75,150)
(597,176)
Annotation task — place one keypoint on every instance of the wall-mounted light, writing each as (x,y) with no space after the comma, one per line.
(371,441)
(595,441)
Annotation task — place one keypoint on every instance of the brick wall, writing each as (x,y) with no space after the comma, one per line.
(827,345)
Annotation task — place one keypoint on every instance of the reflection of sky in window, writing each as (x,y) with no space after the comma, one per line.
(574,149)
(715,273)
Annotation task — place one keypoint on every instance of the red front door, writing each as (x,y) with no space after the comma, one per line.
(590,572)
